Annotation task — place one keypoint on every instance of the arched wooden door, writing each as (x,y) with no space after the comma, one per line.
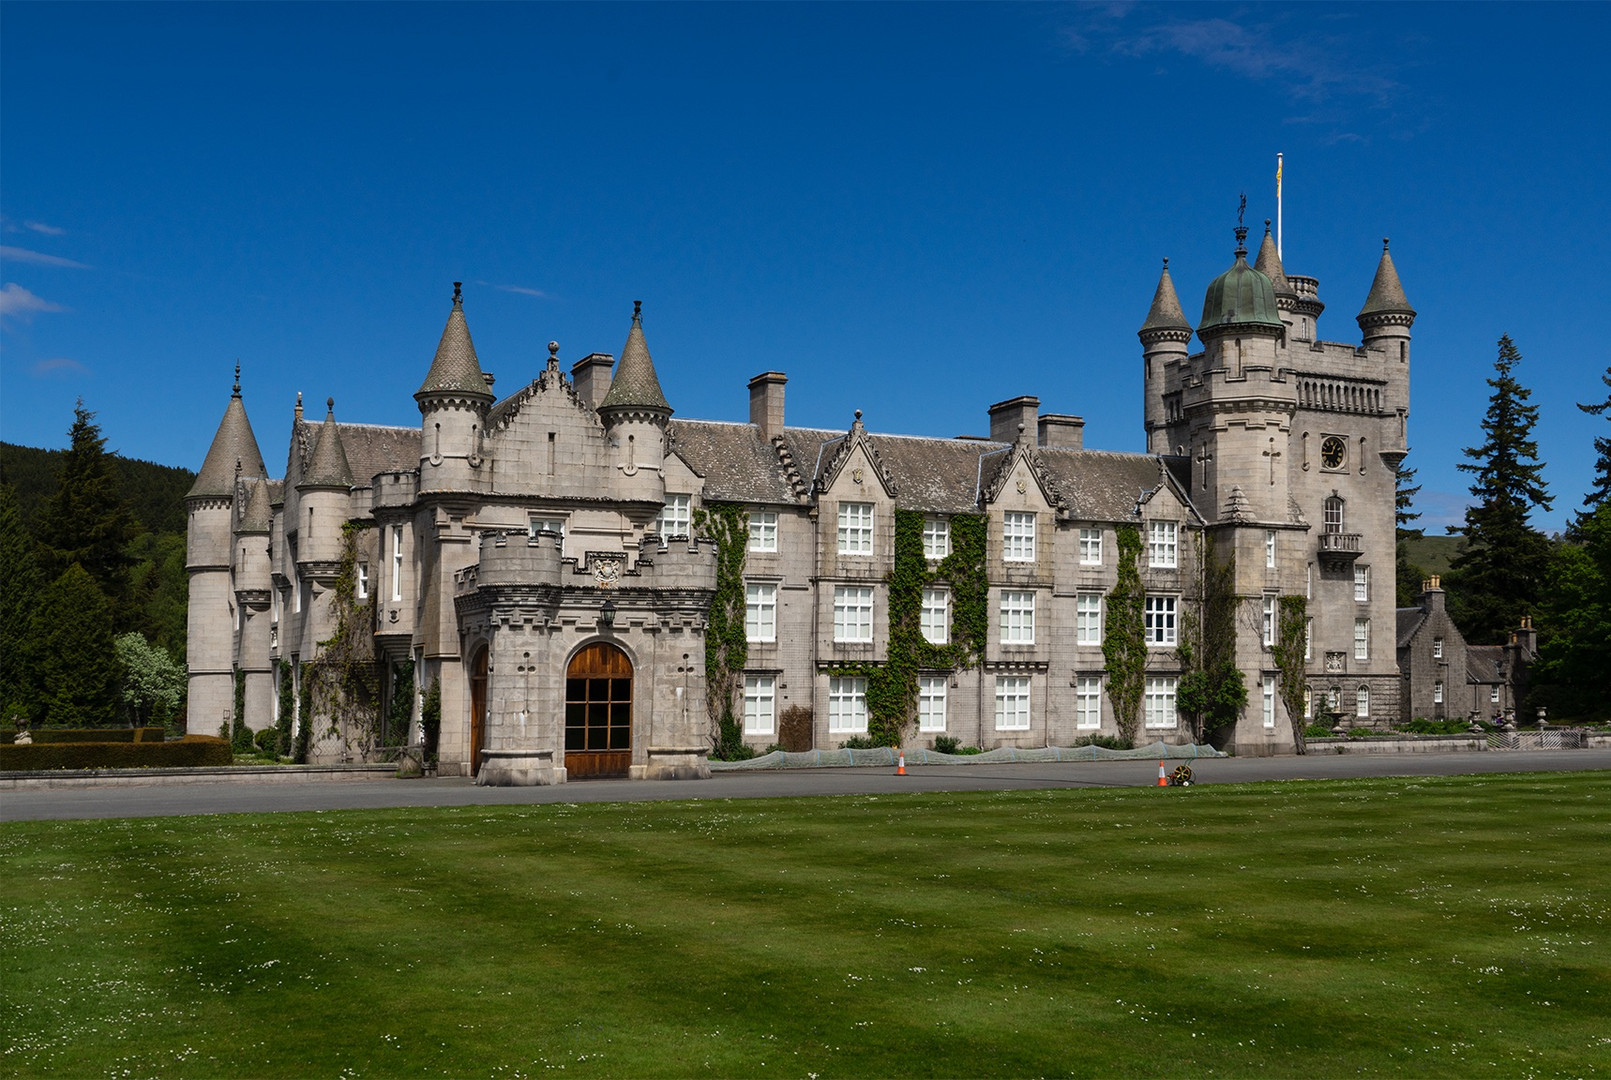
(598,713)
(478,708)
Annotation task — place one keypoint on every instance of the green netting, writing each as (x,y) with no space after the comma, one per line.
(886,755)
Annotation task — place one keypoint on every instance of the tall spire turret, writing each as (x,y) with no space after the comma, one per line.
(327,464)
(233,442)
(1268,263)
(1165,313)
(635,414)
(635,385)
(455,369)
(453,402)
(1386,296)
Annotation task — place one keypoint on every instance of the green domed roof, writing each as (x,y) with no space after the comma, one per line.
(1241,296)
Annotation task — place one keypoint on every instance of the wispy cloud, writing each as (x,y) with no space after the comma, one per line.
(16,301)
(37,258)
(524,291)
(1311,65)
(41,227)
(59,365)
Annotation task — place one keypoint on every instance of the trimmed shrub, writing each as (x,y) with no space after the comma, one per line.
(268,742)
(946,744)
(193,751)
(92,735)
(1107,742)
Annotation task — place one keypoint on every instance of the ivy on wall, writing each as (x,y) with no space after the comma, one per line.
(1213,690)
(892,685)
(1124,640)
(287,695)
(402,704)
(1290,646)
(431,718)
(726,644)
(346,676)
(304,728)
(240,736)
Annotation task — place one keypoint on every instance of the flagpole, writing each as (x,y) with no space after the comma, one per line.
(1278,253)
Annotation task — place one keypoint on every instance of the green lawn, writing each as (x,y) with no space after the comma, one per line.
(1428,927)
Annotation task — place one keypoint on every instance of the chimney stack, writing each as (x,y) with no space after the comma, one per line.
(591,377)
(1062,432)
(1008,417)
(766,403)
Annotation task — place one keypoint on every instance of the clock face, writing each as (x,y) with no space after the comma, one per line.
(1333,452)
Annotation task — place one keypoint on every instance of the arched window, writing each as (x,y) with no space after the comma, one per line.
(1334,514)
(1362,701)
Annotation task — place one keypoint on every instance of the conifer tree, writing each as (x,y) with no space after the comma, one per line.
(20,585)
(1499,576)
(1409,576)
(86,520)
(1600,493)
(74,661)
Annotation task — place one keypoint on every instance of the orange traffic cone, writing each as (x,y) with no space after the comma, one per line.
(900,767)
(1163,781)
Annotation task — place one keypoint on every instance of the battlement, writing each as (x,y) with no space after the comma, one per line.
(395,489)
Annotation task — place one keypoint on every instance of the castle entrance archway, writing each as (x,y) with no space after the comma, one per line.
(478,708)
(598,713)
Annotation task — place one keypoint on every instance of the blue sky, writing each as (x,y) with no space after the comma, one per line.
(914,210)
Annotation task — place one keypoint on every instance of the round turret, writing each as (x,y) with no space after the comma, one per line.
(1241,300)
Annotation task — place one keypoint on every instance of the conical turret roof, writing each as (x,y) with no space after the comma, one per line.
(1165,313)
(233,443)
(1269,264)
(327,465)
(258,515)
(1241,296)
(1386,294)
(635,384)
(455,369)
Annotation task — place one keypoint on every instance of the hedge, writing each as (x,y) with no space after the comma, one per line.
(193,751)
(92,735)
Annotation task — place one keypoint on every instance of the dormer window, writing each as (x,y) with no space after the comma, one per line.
(855,528)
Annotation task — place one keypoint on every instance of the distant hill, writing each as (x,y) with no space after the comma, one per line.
(1434,553)
(156,493)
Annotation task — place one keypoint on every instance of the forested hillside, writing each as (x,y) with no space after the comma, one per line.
(155,493)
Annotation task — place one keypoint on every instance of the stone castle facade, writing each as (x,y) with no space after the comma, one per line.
(544,558)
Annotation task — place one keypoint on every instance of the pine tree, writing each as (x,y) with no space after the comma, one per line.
(86,520)
(74,659)
(1409,576)
(1600,493)
(1573,676)
(20,585)
(1499,576)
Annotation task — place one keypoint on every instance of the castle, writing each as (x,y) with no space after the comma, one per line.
(558,562)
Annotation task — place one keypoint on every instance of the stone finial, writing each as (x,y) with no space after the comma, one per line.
(237,391)
(1237,508)
(458,293)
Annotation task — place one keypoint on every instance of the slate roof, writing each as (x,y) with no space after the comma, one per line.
(1482,663)
(455,368)
(233,442)
(1386,295)
(258,514)
(1269,264)
(635,384)
(737,463)
(1101,485)
(369,448)
(1409,621)
(327,465)
(1165,313)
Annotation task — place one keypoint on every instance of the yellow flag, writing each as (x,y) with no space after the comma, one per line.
(1278,178)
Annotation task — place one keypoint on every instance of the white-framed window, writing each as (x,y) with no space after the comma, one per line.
(853,613)
(760,612)
(1333,521)
(1269,622)
(1437,693)
(397,566)
(763,530)
(676,517)
(1088,619)
(1017,617)
(538,525)
(1361,584)
(1012,702)
(936,538)
(1018,536)
(1090,547)
(931,703)
(1159,616)
(1308,639)
(1361,639)
(1493,695)
(1163,544)
(1269,548)
(363,581)
(935,619)
(1309,581)
(1160,702)
(855,528)
(847,706)
(1267,684)
(1362,701)
(760,704)
(1308,702)
(274,612)
(1088,701)
(1437,648)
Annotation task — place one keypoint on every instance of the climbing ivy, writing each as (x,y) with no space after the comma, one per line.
(892,685)
(240,736)
(726,644)
(402,704)
(346,674)
(282,678)
(1290,646)
(304,728)
(431,718)
(1213,690)
(1124,640)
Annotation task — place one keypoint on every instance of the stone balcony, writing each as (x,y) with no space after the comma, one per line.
(1340,549)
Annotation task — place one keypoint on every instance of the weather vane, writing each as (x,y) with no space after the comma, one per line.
(1241,210)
